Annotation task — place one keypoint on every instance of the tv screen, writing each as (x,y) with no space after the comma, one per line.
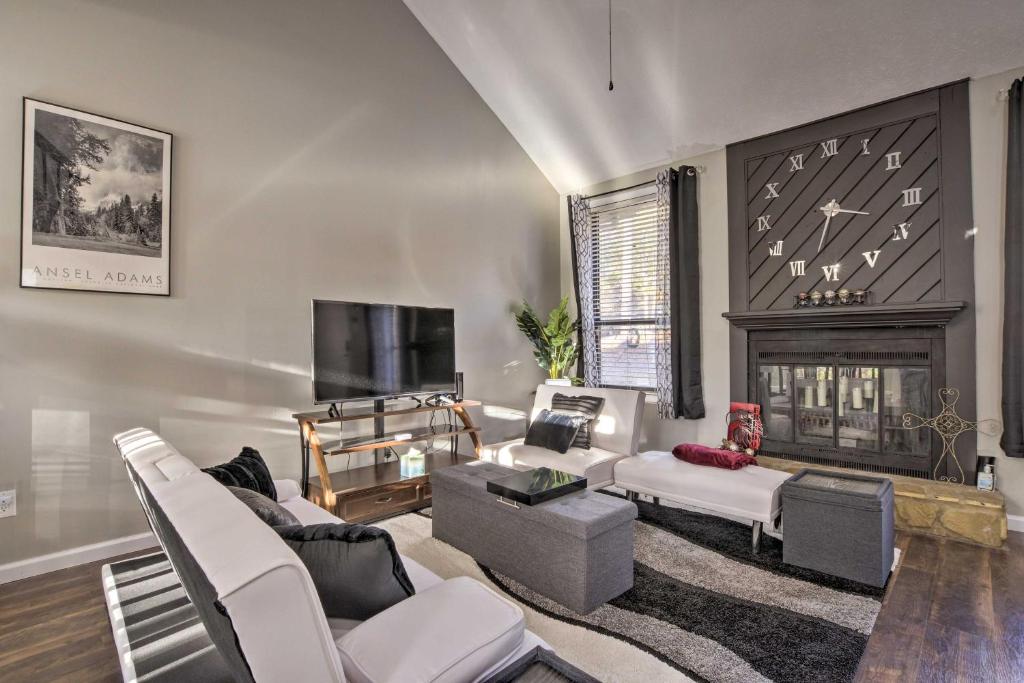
(378,350)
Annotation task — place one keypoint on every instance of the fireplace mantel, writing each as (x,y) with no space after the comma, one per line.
(836,317)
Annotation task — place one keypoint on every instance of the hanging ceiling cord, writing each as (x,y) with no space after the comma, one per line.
(611,85)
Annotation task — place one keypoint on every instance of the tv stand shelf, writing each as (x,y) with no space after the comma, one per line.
(355,444)
(387,487)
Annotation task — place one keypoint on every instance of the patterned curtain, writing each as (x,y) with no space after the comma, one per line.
(579,215)
(663,296)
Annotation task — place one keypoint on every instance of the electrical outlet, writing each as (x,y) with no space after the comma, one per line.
(8,503)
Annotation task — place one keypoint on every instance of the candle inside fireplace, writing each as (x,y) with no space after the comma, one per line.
(869,389)
(822,393)
(858,399)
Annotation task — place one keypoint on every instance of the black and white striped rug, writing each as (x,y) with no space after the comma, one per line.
(702,605)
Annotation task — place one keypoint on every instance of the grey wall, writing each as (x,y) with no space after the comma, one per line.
(988,165)
(322,149)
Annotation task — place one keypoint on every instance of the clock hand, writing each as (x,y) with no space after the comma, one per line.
(824,230)
(863,213)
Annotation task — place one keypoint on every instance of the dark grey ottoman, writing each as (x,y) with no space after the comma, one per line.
(576,550)
(840,524)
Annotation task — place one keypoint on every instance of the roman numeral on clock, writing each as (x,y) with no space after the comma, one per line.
(831,272)
(901,232)
(772,190)
(829,148)
(775,248)
(871,257)
(864,146)
(796,268)
(796,163)
(912,196)
(762,223)
(892,161)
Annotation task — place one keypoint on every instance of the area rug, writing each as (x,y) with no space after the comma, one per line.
(703,607)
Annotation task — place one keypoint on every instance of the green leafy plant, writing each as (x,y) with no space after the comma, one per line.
(554,342)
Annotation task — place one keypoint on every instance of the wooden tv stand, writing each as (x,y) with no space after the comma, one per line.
(388,487)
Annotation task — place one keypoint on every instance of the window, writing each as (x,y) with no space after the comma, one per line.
(627,301)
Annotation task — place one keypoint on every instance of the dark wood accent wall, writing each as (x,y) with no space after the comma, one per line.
(930,266)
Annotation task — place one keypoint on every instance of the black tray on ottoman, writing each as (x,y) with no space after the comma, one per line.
(536,486)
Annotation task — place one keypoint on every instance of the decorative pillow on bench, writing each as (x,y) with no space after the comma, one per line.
(588,407)
(696,454)
(356,569)
(553,431)
(248,471)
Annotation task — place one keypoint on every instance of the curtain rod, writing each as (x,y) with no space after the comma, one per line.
(699,169)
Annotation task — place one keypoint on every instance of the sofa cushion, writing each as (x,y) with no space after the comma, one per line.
(470,629)
(270,511)
(356,569)
(595,464)
(246,470)
(588,407)
(749,493)
(554,431)
(617,428)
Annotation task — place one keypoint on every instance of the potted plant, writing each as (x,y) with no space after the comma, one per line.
(554,342)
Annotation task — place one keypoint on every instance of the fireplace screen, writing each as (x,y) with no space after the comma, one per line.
(841,409)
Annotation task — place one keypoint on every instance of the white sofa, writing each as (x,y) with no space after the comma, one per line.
(260,607)
(615,436)
(751,493)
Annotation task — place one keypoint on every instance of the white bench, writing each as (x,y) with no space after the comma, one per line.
(752,492)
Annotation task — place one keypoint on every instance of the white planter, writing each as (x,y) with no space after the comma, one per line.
(559,382)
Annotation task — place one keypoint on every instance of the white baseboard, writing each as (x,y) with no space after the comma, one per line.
(71,557)
(1015,522)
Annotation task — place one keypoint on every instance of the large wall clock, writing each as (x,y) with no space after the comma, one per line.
(859,201)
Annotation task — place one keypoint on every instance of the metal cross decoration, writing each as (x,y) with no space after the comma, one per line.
(949,425)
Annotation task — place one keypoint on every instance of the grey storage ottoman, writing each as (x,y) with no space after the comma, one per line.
(840,524)
(576,550)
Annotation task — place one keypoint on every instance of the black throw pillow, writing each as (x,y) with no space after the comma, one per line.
(270,511)
(246,471)
(553,431)
(356,569)
(588,407)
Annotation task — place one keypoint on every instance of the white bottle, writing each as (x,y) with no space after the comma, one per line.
(986,479)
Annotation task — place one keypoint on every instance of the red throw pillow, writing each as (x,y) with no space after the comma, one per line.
(696,454)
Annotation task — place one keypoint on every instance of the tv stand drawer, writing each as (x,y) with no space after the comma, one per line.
(361,506)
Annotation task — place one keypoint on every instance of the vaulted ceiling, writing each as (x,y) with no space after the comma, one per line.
(694,75)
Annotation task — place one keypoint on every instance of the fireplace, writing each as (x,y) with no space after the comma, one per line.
(838,397)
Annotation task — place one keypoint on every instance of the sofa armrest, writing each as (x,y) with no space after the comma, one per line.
(455,631)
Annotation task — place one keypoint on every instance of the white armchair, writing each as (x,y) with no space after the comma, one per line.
(615,435)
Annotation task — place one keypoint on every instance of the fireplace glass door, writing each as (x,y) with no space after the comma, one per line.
(845,407)
(814,414)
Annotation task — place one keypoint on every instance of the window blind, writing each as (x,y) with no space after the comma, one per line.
(627,305)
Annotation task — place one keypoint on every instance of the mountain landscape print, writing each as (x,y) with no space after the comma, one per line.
(96,187)
(95,211)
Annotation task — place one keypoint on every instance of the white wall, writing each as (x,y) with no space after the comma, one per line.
(988,162)
(988,168)
(322,149)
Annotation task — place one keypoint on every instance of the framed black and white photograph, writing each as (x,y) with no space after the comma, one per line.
(95,203)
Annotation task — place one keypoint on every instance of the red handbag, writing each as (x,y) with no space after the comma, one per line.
(744,425)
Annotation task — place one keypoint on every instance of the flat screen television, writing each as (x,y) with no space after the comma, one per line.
(370,351)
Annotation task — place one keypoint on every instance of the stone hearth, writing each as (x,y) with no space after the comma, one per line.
(960,513)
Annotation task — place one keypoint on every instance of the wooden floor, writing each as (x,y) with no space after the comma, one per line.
(953,612)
